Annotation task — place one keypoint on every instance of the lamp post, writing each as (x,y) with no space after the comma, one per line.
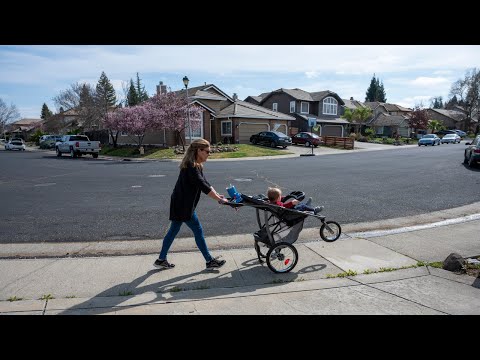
(185,82)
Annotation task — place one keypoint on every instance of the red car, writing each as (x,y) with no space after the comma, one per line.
(306,138)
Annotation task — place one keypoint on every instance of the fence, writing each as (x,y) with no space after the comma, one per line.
(344,142)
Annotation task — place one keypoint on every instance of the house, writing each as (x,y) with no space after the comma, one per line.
(326,107)
(23,128)
(453,119)
(62,122)
(224,119)
(389,119)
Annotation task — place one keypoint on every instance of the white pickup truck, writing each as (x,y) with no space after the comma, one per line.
(77,145)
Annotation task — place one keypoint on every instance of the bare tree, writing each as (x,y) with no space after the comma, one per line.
(468,90)
(81,98)
(7,114)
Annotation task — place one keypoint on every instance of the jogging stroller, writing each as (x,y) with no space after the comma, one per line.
(280,227)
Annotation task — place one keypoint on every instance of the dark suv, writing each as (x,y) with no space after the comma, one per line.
(472,152)
(271,138)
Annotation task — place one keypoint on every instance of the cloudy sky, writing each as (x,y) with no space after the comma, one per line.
(33,75)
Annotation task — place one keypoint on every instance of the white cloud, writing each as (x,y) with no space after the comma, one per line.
(424,81)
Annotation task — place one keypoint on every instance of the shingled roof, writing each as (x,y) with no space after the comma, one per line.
(243,109)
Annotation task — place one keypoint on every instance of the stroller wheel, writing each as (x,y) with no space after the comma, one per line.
(282,257)
(261,251)
(330,231)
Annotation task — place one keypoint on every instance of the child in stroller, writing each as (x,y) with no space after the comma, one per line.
(275,197)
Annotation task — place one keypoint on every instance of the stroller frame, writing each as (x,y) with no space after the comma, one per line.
(280,228)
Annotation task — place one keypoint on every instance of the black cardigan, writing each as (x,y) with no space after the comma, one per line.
(186,193)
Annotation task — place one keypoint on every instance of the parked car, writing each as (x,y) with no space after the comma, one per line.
(472,152)
(451,138)
(77,145)
(429,139)
(271,138)
(306,138)
(445,132)
(461,133)
(15,144)
(48,141)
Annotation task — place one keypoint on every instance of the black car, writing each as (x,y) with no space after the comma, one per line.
(271,138)
(444,132)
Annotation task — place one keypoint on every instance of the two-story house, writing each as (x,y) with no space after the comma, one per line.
(326,107)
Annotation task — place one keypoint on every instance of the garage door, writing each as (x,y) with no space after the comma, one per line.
(245,130)
(332,130)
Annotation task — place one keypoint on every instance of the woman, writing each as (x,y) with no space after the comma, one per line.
(184,200)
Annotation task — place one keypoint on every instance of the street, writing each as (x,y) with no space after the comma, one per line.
(50,199)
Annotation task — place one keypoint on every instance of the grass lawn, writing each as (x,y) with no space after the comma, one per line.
(245,150)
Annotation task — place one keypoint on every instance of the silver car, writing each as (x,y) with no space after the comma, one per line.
(451,138)
(429,139)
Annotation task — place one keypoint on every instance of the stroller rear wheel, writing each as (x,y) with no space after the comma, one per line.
(330,231)
(282,257)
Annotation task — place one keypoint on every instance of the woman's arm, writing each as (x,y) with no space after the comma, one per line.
(216,196)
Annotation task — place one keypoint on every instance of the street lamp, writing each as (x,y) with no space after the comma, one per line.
(185,82)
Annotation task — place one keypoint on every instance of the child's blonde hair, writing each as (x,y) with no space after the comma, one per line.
(274,194)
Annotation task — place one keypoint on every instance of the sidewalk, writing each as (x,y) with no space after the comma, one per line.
(131,285)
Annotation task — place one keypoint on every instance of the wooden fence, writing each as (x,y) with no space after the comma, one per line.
(344,142)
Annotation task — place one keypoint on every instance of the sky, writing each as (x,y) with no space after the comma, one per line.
(411,74)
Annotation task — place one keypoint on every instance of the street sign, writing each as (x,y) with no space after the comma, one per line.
(312,122)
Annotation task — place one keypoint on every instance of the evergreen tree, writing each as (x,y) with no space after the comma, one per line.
(381,96)
(141,93)
(46,113)
(132,98)
(375,91)
(105,93)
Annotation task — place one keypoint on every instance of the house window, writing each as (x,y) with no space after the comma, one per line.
(227,128)
(275,106)
(304,107)
(379,130)
(197,128)
(330,106)
(123,133)
(292,106)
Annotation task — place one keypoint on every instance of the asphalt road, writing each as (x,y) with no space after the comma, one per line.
(49,199)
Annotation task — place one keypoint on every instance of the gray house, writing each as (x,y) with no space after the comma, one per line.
(326,107)
(389,119)
(453,119)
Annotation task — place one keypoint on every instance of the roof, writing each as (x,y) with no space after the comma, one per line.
(452,114)
(389,107)
(353,104)
(26,121)
(390,120)
(332,121)
(243,109)
(207,91)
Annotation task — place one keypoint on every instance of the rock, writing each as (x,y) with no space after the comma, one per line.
(453,262)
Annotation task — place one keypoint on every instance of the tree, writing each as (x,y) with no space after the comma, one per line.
(435,125)
(436,102)
(136,93)
(80,98)
(142,95)
(169,111)
(46,113)
(418,118)
(105,96)
(7,114)
(375,91)
(468,90)
(358,116)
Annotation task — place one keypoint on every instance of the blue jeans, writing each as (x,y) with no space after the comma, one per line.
(196,227)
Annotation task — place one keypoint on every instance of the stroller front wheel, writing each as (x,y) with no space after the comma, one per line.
(282,257)
(330,231)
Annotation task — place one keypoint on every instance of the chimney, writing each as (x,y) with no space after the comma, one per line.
(161,89)
(235,97)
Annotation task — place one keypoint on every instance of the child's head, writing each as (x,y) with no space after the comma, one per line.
(274,194)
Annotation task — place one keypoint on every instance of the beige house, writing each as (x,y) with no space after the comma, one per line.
(452,119)
(23,128)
